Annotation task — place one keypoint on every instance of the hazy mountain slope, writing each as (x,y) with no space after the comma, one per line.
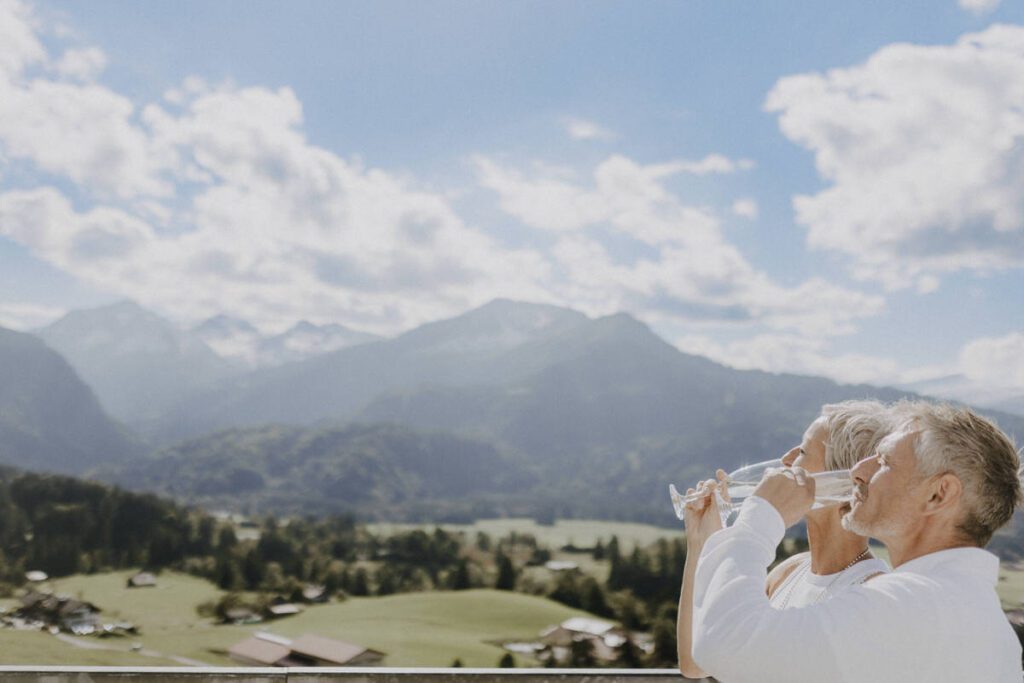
(615,413)
(49,419)
(377,470)
(138,364)
(469,349)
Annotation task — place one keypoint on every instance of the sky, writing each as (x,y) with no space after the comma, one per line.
(827,188)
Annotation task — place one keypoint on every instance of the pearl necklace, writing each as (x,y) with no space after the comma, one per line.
(806,567)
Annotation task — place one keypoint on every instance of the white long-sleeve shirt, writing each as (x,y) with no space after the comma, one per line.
(933,619)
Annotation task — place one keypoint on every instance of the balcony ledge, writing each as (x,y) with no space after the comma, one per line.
(116,674)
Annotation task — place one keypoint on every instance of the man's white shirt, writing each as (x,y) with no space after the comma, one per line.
(936,618)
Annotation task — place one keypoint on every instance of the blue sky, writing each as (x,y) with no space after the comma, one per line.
(827,188)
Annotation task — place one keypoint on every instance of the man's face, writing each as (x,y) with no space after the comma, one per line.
(885,505)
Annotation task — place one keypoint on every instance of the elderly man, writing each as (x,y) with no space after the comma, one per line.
(934,493)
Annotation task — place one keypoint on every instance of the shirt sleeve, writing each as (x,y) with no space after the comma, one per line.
(737,635)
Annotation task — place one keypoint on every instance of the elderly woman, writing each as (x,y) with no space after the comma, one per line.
(841,436)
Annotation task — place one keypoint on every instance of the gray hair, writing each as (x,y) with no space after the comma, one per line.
(959,441)
(854,430)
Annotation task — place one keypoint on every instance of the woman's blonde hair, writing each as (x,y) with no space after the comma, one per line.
(854,430)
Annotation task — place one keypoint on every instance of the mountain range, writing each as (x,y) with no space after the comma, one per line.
(553,411)
(141,365)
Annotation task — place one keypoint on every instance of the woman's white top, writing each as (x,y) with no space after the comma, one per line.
(802,587)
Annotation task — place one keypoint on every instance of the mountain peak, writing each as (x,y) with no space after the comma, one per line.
(498,324)
(222,323)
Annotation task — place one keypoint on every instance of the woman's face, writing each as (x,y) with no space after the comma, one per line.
(810,454)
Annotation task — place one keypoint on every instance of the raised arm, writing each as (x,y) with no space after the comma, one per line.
(737,635)
(702,520)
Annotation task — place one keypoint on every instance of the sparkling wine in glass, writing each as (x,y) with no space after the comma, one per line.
(833,487)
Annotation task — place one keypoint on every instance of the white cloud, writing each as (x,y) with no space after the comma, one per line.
(581,129)
(26,316)
(213,200)
(19,45)
(997,361)
(794,354)
(746,208)
(685,268)
(83,64)
(922,147)
(979,6)
(220,204)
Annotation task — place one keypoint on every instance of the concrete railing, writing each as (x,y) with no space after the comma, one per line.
(116,674)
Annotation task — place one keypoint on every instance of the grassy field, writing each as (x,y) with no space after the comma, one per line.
(1011,585)
(583,533)
(36,647)
(418,629)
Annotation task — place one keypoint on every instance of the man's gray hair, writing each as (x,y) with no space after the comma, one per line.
(957,440)
(854,430)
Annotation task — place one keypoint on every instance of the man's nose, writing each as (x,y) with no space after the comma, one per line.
(865,469)
(789,458)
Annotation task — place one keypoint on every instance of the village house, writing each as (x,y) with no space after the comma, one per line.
(267,649)
(315,594)
(604,638)
(142,580)
(284,609)
(61,611)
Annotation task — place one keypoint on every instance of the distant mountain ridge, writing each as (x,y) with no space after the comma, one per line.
(49,419)
(138,363)
(238,341)
(966,390)
(141,365)
(465,350)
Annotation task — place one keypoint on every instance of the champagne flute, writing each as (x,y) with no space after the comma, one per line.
(833,487)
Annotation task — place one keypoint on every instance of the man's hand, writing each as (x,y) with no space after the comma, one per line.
(790,490)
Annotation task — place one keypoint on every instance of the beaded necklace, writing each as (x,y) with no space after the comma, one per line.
(806,567)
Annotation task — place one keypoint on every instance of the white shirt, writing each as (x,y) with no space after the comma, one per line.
(933,619)
(803,587)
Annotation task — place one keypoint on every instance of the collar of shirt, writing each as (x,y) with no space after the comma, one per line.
(975,562)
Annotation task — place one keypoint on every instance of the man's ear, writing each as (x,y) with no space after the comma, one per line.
(945,492)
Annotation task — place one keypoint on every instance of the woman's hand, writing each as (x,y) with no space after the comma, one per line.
(702,516)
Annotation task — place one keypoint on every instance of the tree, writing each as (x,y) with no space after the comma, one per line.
(459,579)
(385,579)
(581,653)
(506,573)
(566,590)
(592,598)
(507,661)
(360,583)
(664,634)
(628,655)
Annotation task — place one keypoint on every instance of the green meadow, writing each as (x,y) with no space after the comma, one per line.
(414,629)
